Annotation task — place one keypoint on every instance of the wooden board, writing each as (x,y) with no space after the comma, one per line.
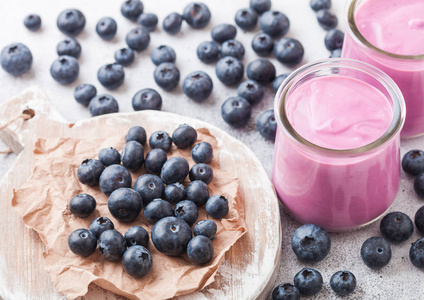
(249,268)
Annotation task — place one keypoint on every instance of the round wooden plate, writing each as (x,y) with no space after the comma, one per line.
(249,268)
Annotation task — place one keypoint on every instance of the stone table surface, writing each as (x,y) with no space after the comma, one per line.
(398,280)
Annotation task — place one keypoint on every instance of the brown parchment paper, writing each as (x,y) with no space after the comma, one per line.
(43,203)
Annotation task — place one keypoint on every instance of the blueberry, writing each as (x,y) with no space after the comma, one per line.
(261,70)
(343,283)
(69,46)
(124,56)
(132,156)
(155,159)
(396,227)
(137,235)
(149,187)
(112,244)
(136,133)
(103,104)
(251,90)
(334,39)
(175,192)
(197,15)
(232,48)
(217,206)
(137,261)
(113,178)
(184,136)
(71,22)
(109,156)
(416,253)
(82,205)
(138,39)
(413,162)
(16,59)
(99,225)
(206,228)
(320,4)
(160,139)
(198,192)
(84,93)
(174,170)
(208,52)
(200,250)
(198,86)
(82,242)
(111,76)
(172,23)
(327,19)
(157,209)
(278,81)
(201,172)
(308,281)
(187,211)
(246,18)
(267,125)
(274,23)
(89,172)
(419,185)
(376,252)
(106,28)
(311,243)
(336,53)
(171,235)
(289,51)
(202,152)
(229,70)
(131,9)
(419,220)
(148,21)
(260,6)
(236,111)
(223,32)
(32,22)
(65,69)
(125,204)
(163,54)
(262,44)
(285,291)
(167,76)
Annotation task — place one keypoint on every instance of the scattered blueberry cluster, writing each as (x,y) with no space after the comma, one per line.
(171,233)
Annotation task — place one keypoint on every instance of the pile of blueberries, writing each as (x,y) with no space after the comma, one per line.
(171,233)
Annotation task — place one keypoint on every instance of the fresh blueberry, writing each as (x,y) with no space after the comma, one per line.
(147,99)
(419,185)
(232,48)
(109,156)
(311,243)
(149,187)
(198,86)
(82,242)
(278,81)
(175,192)
(336,53)
(32,22)
(167,76)
(308,281)
(200,250)
(246,18)
(261,70)
(223,32)
(163,54)
(106,28)
(111,76)
(160,139)
(136,235)
(229,70)
(175,170)
(206,228)
(155,159)
(320,4)
(16,59)
(202,153)
(171,235)
(184,136)
(413,162)
(172,23)
(334,39)
(84,93)
(103,104)
(343,283)
(71,22)
(416,253)
(99,225)
(197,15)
(138,39)
(157,209)
(208,52)
(201,172)
(289,51)
(82,205)
(274,23)
(148,21)
(125,204)
(132,155)
(124,56)
(69,46)
(267,125)
(136,133)
(113,178)
(236,111)
(217,206)
(285,291)
(262,44)
(198,192)
(112,244)
(65,69)
(327,19)
(187,211)
(131,9)
(89,172)
(396,227)
(251,90)
(137,261)
(376,252)
(260,6)
(419,220)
